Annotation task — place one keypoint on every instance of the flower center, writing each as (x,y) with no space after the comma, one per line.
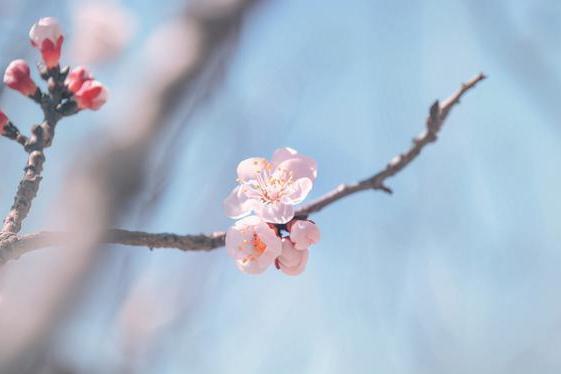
(258,245)
(268,186)
(254,245)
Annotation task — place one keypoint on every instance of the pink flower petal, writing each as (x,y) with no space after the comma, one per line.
(3,122)
(76,78)
(91,95)
(267,258)
(269,237)
(304,234)
(250,267)
(248,222)
(301,188)
(47,37)
(17,77)
(234,239)
(253,244)
(292,261)
(275,213)
(237,204)
(289,256)
(297,270)
(249,168)
(270,189)
(301,167)
(283,154)
(45,28)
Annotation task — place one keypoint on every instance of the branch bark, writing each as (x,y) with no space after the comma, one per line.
(41,137)
(98,191)
(125,237)
(438,114)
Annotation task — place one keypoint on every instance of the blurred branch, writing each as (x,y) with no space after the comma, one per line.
(102,187)
(437,116)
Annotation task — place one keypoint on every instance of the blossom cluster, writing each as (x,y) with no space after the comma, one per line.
(78,88)
(272,234)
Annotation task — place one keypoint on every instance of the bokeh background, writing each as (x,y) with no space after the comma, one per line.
(457,272)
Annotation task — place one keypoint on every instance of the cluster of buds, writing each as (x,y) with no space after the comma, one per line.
(87,92)
(272,235)
(70,90)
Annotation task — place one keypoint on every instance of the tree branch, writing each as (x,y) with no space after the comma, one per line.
(27,243)
(438,113)
(41,137)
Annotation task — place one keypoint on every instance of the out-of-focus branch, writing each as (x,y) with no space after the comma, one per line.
(437,116)
(103,185)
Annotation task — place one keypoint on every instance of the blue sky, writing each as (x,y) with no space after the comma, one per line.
(457,271)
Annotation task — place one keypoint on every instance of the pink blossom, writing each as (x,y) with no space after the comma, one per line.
(271,188)
(102,29)
(292,261)
(76,78)
(17,77)
(3,122)
(253,244)
(303,234)
(91,95)
(46,36)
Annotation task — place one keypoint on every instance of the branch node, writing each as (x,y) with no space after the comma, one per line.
(385,189)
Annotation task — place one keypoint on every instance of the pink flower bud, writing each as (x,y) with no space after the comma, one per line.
(91,95)
(3,122)
(17,77)
(292,261)
(303,234)
(76,78)
(46,36)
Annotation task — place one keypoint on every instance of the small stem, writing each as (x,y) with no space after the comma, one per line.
(438,113)
(12,132)
(22,139)
(37,96)
(41,137)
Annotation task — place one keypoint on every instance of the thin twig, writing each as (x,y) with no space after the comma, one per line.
(41,137)
(437,115)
